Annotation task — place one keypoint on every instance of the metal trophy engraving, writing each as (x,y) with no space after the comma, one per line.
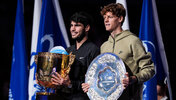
(104,76)
(52,62)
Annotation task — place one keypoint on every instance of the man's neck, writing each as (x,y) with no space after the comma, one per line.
(78,44)
(117,31)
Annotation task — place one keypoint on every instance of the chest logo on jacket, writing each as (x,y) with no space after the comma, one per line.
(120,52)
(81,58)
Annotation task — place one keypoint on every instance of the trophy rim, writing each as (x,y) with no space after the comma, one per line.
(44,93)
(49,53)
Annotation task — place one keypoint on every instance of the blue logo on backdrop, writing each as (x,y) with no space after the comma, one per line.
(148,44)
(48,39)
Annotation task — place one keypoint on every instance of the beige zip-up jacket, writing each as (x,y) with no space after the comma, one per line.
(138,62)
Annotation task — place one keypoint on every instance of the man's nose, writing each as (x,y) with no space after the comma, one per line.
(106,20)
(72,28)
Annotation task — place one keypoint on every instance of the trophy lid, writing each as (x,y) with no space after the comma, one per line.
(59,49)
(104,76)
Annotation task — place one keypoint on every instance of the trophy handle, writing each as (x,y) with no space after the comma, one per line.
(66,65)
(71,60)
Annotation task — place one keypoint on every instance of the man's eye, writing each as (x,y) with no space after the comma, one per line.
(77,25)
(110,16)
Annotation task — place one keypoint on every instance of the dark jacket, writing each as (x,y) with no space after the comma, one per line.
(84,55)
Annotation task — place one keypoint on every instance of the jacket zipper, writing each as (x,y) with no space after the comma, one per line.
(113,45)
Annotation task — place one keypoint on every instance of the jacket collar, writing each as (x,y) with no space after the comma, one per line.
(119,36)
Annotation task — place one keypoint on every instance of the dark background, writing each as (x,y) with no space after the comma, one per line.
(166,12)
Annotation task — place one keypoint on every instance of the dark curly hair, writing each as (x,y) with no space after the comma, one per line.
(116,9)
(81,17)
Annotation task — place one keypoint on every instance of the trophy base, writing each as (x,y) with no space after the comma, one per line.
(46,96)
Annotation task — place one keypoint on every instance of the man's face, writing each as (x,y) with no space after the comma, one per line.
(111,22)
(76,29)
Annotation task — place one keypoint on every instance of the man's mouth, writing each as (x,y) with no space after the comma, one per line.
(107,24)
(74,33)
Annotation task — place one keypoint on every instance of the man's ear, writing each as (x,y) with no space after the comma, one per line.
(121,18)
(87,28)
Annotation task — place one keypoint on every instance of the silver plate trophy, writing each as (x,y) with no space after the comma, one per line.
(104,76)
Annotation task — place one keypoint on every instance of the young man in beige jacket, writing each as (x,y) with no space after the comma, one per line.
(129,48)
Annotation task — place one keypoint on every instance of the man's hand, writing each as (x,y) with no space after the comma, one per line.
(85,87)
(67,81)
(128,80)
(57,79)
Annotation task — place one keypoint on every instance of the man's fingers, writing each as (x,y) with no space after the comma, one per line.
(54,81)
(57,79)
(126,74)
(85,87)
(126,80)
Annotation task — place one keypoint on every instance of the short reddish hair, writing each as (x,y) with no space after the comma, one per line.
(116,9)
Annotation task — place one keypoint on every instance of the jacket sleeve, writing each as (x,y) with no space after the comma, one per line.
(144,62)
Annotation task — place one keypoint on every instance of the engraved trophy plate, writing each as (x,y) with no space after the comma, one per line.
(104,76)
